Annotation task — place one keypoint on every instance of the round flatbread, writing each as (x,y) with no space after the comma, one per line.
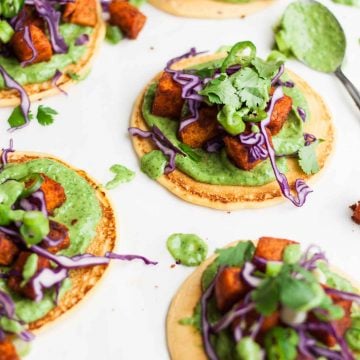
(39,91)
(236,197)
(210,9)
(83,280)
(182,306)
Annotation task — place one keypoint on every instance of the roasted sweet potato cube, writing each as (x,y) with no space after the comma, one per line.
(205,128)
(41,43)
(16,278)
(280,114)
(356,212)
(81,12)
(7,350)
(167,101)
(127,17)
(32,18)
(268,323)
(272,249)
(340,325)
(8,250)
(229,288)
(54,194)
(239,153)
(58,232)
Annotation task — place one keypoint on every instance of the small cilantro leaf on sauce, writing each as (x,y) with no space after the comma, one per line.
(308,159)
(191,153)
(45,115)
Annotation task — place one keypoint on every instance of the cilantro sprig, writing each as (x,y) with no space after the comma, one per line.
(45,116)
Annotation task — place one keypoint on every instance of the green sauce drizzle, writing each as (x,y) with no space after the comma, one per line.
(188,249)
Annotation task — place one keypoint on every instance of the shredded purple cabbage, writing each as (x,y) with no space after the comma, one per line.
(162,142)
(302,190)
(5,153)
(309,139)
(30,44)
(214,145)
(52,17)
(277,77)
(191,84)
(232,315)
(55,79)
(302,113)
(82,40)
(47,279)
(344,295)
(205,324)
(255,143)
(24,97)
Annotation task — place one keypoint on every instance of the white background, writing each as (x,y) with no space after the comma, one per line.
(124,317)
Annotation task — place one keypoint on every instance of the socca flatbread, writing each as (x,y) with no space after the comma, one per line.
(184,341)
(83,280)
(210,9)
(237,197)
(39,91)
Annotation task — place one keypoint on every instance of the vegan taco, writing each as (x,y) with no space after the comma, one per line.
(265,300)
(57,233)
(45,47)
(231,130)
(212,9)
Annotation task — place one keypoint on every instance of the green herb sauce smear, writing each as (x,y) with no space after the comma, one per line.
(46,70)
(81,213)
(188,249)
(216,168)
(122,175)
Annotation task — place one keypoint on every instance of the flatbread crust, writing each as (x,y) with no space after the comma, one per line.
(228,198)
(39,91)
(183,341)
(210,9)
(83,280)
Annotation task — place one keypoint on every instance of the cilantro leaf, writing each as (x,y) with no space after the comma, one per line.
(45,115)
(236,255)
(308,159)
(266,69)
(267,296)
(281,343)
(253,90)
(221,91)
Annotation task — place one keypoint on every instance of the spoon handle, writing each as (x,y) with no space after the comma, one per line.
(352,90)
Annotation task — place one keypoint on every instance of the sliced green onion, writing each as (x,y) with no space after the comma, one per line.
(241,53)
(113,34)
(6,31)
(32,183)
(35,227)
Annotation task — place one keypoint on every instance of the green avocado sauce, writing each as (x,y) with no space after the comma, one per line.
(188,249)
(216,168)
(310,32)
(46,70)
(81,213)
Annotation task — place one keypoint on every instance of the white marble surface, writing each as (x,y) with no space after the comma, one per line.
(124,317)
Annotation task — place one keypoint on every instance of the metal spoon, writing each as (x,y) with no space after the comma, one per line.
(350,87)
